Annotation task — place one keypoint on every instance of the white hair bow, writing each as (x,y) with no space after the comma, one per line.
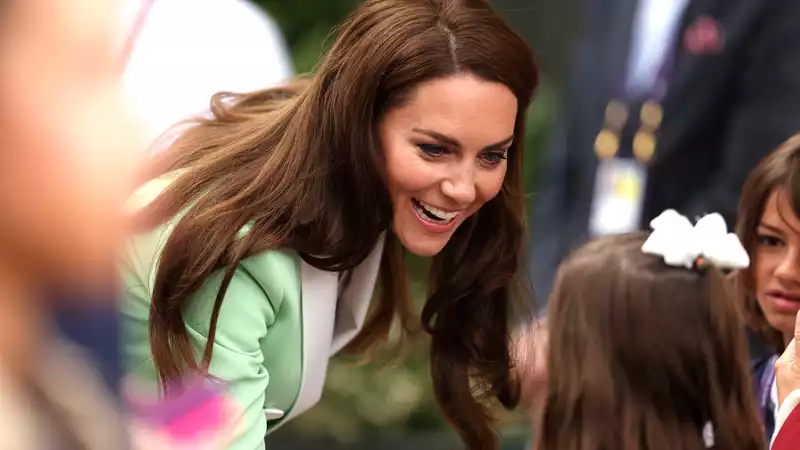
(681,244)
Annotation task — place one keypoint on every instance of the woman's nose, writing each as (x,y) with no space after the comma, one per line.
(460,187)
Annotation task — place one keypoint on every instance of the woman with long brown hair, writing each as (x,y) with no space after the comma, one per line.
(646,350)
(769,226)
(266,227)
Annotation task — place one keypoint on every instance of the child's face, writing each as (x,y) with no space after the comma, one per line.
(777,263)
(65,135)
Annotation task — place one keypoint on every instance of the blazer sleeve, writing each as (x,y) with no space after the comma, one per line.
(787,435)
(766,107)
(251,305)
(248,310)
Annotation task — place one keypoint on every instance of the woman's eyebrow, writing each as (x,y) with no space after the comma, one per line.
(455,143)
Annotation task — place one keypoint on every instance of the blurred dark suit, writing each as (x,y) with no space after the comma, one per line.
(97,330)
(723,111)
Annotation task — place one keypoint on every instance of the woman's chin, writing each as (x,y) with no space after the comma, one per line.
(422,249)
(421,244)
(423,253)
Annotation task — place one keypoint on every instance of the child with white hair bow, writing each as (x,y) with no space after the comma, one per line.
(644,347)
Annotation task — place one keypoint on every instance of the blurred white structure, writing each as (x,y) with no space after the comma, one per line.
(188,50)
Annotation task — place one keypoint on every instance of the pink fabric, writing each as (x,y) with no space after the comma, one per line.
(207,417)
(199,410)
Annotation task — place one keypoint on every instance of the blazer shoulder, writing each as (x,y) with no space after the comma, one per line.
(277,273)
(261,285)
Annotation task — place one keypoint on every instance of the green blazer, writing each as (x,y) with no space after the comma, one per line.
(280,322)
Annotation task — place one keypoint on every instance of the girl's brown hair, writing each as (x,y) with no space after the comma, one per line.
(643,355)
(778,170)
(300,165)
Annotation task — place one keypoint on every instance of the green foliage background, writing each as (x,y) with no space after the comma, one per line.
(363,402)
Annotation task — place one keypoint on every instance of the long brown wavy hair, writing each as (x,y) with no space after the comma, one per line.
(643,355)
(301,167)
(779,169)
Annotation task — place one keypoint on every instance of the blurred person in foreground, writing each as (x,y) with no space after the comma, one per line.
(62,130)
(174,56)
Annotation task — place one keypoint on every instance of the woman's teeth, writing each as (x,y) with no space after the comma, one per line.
(432,213)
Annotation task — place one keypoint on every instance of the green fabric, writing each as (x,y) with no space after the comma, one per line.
(258,342)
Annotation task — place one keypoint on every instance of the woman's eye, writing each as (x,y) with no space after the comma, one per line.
(432,150)
(770,241)
(493,159)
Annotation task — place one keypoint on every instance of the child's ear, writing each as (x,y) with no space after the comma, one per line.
(529,351)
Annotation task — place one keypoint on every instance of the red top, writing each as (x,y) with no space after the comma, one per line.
(788,437)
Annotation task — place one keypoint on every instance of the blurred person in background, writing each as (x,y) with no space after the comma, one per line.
(266,227)
(670,104)
(182,52)
(64,132)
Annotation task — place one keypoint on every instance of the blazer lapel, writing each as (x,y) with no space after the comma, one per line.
(319,291)
(329,323)
(354,303)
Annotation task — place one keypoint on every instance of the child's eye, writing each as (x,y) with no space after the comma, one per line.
(770,241)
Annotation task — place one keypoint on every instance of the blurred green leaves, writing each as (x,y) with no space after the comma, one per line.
(306,25)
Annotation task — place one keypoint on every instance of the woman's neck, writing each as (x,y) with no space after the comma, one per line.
(22,323)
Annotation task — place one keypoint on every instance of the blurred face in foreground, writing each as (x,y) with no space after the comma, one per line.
(65,135)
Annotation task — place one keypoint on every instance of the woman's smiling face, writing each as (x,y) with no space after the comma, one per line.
(446,154)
